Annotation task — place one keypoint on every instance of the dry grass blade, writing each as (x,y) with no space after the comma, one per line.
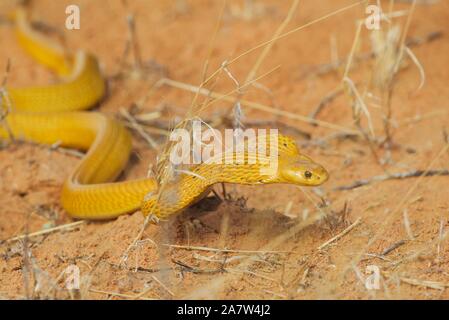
(258,106)
(425,283)
(393,247)
(419,66)
(5,101)
(163,285)
(120,295)
(196,248)
(407,225)
(135,125)
(437,285)
(326,100)
(46,231)
(209,54)
(359,104)
(267,49)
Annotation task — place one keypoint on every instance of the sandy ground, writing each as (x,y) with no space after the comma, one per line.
(273,232)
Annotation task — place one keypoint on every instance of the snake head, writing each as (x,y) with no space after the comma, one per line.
(302,170)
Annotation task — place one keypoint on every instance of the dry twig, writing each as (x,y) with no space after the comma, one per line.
(341,234)
(394,176)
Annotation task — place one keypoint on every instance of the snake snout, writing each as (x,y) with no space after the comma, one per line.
(305,173)
(320,174)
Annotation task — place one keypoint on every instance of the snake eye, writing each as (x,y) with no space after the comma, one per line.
(308,174)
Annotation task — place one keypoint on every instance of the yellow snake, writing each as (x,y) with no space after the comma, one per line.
(51,114)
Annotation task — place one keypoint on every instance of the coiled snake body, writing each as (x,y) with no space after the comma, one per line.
(50,114)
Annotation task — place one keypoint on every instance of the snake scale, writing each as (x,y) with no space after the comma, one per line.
(55,114)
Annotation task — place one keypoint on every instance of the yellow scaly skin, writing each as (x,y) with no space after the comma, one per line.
(292,168)
(48,114)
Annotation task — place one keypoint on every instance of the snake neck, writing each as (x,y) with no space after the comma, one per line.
(188,187)
(192,184)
